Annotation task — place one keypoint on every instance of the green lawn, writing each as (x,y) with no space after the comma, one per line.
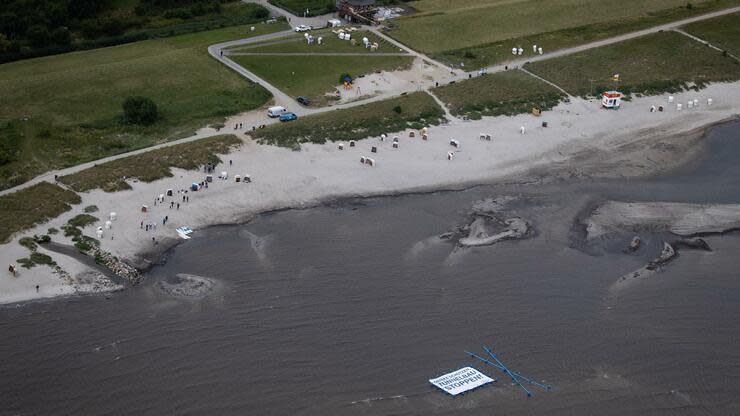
(314,76)
(150,166)
(653,64)
(723,32)
(330,44)
(503,93)
(33,205)
(482,32)
(63,110)
(414,110)
(298,7)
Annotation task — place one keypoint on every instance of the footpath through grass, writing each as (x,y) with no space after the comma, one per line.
(482,32)
(408,111)
(33,205)
(722,32)
(315,76)
(63,110)
(150,166)
(503,93)
(330,44)
(654,64)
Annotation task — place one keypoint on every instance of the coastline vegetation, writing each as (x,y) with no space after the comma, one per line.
(503,93)
(722,32)
(150,166)
(33,205)
(653,64)
(414,111)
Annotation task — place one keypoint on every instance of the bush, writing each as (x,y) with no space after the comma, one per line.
(52,230)
(28,243)
(71,231)
(398,109)
(61,36)
(38,36)
(82,220)
(85,243)
(140,110)
(42,239)
(91,208)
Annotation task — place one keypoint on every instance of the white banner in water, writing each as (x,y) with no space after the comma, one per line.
(461,380)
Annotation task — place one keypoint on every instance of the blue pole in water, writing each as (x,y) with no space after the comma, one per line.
(542,386)
(506,370)
(492,364)
(484,360)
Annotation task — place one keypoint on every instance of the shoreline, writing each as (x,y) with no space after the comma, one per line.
(579,144)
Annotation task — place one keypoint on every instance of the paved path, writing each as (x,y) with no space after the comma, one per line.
(283,99)
(547,82)
(610,41)
(698,39)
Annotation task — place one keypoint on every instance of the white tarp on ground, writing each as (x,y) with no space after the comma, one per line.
(461,380)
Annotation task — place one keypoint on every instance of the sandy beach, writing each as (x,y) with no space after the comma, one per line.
(581,140)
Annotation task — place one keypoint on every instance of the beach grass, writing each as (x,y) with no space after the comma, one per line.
(722,32)
(480,33)
(152,165)
(653,64)
(33,205)
(504,93)
(414,110)
(63,110)
(315,76)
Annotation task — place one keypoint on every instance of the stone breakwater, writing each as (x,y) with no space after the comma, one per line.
(115,265)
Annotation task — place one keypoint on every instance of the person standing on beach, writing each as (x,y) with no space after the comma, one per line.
(142,225)
(178,205)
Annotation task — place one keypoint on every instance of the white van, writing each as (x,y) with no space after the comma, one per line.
(276,111)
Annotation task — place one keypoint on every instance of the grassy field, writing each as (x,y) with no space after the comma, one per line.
(314,76)
(503,93)
(23,209)
(723,32)
(658,63)
(298,7)
(150,166)
(482,32)
(330,44)
(414,110)
(63,110)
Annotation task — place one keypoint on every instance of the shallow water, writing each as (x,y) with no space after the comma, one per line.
(351,308)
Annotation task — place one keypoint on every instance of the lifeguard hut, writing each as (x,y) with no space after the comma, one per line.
(611,99)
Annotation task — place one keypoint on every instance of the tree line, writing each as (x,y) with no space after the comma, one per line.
(30,27)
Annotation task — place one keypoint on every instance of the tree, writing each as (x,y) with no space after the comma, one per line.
(140,110)
(61,36)
(38,36)
(4,44)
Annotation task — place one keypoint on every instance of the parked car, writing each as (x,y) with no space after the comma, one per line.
(288,117)
(276,111)
(302,28)
(303,101)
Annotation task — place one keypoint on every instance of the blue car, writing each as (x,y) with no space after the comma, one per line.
(288,117)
